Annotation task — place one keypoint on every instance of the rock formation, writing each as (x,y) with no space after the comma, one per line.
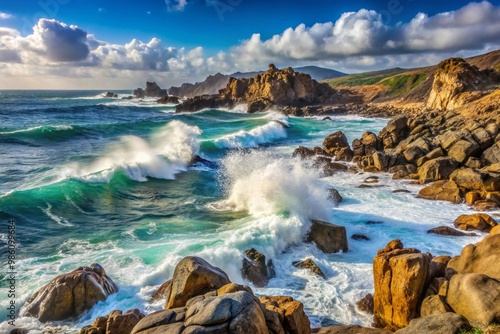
(255,268)
(329,238)
(70,295)
(273,88)
(152,90)
(117,322)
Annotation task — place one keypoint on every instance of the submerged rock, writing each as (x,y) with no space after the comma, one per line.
(311,266)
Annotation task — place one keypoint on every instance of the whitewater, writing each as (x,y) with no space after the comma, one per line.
(92,179)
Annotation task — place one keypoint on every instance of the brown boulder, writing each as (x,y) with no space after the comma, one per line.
(468,178)
(433,305)
(70,295)
(350,329)
(303,152)
(311,266)
(116,322)
(485,205)
(463,149)
(335,143)
(365,304)
(480,221)
(255,268)
(329,238)
(448,231)
(442,191)
(476,297)
(437,169)
(295,321)
(491,155)
(192,277)
(400,277)
(481,258)
(163,291)
(441,323)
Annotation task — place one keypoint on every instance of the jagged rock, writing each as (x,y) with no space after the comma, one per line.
(192,277)
(365,304)
(448,231)
(329,238)
(350,329)
(295,321)
(255,268)
(394,132)
(453,77)
(328,166)
(309,265)
(153,90)
(139,93)
(436,170)
(481,258)
(442,191)
(400,276)
(480,221)
(168,99)
(303,152)
(443,323)
(70,295)
(463,149)
(116,322)
(475,296)
(336,144)
(110,94)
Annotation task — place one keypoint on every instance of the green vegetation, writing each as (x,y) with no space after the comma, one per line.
(369,78)
(474,330)
(402,84)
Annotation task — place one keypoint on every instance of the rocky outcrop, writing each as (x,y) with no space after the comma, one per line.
(273,88)
(193,276)
(448,231)
(70,295)
(329,238)
(255,268)
(350,329)
(366,304)
(168,99)
(152,90)
(230,309)
(400,276)
(336,145)
(454,77)
(117,322)
(442,191)
(110,95)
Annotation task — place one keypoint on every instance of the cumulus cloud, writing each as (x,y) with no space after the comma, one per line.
(5,16)
(364,33)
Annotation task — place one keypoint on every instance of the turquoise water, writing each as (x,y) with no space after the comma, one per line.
(91,179)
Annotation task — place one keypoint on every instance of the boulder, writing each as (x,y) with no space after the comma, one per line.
(481,258)
(334,196)
(399,277)
(486,205)
(480,221)
(448,231)
(350,329)
(442,191)
(303,152)
(192,277)
(329,238)
(365,304)
(70,295)
(295,321)
(116,322)
(139,93)
(336,144)
(433,305)
(311,266)
(443,323)
(437,169)
(468,178)
(168,99)
(163,291)
(153,90)
(360,237)
(471,197)
(476,297)
(255,268)
(394,132)
(491,155)
(463,149)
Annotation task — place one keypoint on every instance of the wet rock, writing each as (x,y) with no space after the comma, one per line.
(303,152)
(311,266)
(336,144)
(442,191)
(168,99)
(255,268)
(70,295)
(334,196)
(365,304)
(448,231)
(486,205)
(329,238)
(360,237)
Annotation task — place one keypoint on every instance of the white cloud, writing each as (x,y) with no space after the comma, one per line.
(176,5)
(5,16)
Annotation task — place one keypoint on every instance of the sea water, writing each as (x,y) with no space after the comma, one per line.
(92,179)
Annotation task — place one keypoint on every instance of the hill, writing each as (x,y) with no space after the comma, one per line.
(213,83)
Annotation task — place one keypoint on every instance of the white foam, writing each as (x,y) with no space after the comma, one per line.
(47,128)
(167,153)
(59,220)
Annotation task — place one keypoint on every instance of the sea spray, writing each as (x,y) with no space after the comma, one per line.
(167,153)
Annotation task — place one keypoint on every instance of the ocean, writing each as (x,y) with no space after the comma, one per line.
(92,179)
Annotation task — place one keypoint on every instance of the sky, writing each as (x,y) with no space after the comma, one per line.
(110,44)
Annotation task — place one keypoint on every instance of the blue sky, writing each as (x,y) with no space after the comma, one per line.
(118,43)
